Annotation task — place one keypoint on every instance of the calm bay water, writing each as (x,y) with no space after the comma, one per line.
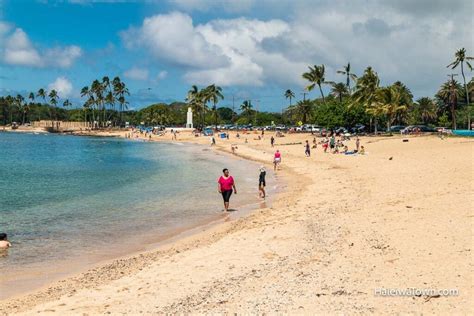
(65,197)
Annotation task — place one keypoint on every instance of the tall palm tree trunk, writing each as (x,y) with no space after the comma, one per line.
(215,115)
(467,98)
(322,94)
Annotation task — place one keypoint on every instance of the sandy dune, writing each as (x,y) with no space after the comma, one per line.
(344,226)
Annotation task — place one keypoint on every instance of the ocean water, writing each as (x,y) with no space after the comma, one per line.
(82,199)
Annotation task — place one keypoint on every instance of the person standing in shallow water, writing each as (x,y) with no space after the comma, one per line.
(225,186)
(261,182)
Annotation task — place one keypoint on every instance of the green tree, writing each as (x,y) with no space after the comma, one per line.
(390,101)
(302,111)
(448,94)
(247,110)
(460,58)
(339,90)
(42,94)
(316,76)
(120,90)
(365,93)
(19,102)
(213,93)
(426,108)
(196,100)
(53,99)
(289,95)
(346,70)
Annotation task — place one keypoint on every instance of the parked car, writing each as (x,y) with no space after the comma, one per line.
(340,130)
(396,128)
(426,129)
(357,129)
(208,132)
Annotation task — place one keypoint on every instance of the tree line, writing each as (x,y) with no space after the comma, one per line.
(356,100)
(99,107)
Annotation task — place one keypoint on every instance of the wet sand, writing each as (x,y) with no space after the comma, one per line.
(399,217)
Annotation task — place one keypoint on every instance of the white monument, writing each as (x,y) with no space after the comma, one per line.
(189,120)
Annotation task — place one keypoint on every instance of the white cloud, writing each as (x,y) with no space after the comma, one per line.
(19,50)
(136,73)
(232,6)
(162,75)
(408,41)
(4,28)
(62,85)
(172,37)
(228,52)
(62,57)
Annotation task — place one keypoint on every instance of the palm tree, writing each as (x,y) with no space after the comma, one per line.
(316,77)
(66,104)
(339,90)
(289,95)
(213,93)
(85,92)
(365,91)
(98,91)
(426,108)
(460,58)
(42,94)
(53,99)
(449,94)
(390,101)
(246,108)
(302,110)
(196,100)
(346,70)
(19,101)
(120,91)
(10,103)
(31,96)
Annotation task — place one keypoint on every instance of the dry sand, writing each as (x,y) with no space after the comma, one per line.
(399,217)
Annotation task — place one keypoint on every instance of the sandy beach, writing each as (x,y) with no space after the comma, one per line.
(344,229)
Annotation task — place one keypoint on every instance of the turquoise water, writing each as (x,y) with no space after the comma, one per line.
(66,197)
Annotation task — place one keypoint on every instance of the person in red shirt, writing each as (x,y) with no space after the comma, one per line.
(225,186)
(276,159)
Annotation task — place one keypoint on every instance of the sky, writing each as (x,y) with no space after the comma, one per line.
(252,49)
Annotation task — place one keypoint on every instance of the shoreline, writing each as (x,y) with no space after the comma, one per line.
(344,226)
(170,241)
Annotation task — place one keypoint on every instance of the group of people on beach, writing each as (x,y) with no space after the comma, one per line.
(336,146)
(226,183)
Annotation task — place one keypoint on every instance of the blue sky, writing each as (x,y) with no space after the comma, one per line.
(253,49)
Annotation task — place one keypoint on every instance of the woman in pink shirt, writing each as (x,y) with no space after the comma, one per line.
(276,159)
(225,184)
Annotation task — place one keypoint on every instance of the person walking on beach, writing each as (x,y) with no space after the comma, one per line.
(272,141)
(276,159)
(357,143)
(307,150)
(332,142)
(261,182)
(225,186)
